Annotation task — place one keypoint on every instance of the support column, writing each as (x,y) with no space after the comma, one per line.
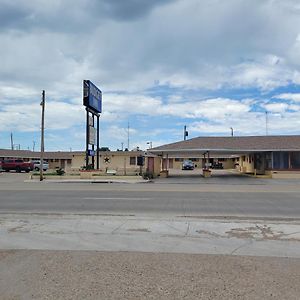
(98,142)
(93,146)
(167,160)
(87,140)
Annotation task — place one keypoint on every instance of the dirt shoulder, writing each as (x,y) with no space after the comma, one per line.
(32,274)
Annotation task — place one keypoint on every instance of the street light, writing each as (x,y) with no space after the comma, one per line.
(150,143)
(231,131)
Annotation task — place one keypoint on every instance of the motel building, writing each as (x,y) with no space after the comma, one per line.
(111,162)
(276,156)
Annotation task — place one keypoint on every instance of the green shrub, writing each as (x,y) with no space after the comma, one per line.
(60,172)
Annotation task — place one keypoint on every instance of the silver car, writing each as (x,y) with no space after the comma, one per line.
(37,165)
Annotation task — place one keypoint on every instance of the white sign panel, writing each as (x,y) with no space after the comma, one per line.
(92,135)
(91,122)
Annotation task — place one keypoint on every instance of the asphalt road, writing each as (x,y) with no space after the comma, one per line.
(248,199)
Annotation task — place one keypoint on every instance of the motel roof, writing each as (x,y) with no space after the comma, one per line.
(8,153)
(235,144)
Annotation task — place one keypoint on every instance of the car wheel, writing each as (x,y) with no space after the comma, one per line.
(27,171)
(18,170)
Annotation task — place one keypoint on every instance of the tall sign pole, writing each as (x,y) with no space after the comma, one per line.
(42,136)
(87,140)
(92,100)
(98,142)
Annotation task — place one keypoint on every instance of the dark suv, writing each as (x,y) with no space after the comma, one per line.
(188,165)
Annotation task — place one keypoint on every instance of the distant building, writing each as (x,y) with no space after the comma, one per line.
(57,159)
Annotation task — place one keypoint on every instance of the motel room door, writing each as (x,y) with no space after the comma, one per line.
(260,163)
(151,164)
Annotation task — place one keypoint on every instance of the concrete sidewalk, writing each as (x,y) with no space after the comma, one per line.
(102,180)
(145,234)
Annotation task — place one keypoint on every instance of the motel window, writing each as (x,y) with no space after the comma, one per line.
(178,159)
(194,159)
(281,160)
(295,160)
(132,161)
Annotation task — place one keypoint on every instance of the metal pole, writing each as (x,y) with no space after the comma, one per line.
(128,137)
(266,123)
(93,146)
(42,136)
(87,140)
(231,131)
(184,132)
(98,142)
(11,141)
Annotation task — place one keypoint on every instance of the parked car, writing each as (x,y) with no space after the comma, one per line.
(188,165)
(37,165)
(18,165)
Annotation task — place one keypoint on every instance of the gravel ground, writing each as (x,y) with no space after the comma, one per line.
(32,274)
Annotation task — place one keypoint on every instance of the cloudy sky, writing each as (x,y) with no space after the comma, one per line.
(161,64)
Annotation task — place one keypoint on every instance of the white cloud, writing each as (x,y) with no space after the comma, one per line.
(24,118)
(289,96)
(138,104)
(277,107)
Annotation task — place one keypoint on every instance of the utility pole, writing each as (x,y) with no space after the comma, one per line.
(128,137)
(33,146)
(11,141)
(122,146)
(42,136)
(185,133)
(267,123)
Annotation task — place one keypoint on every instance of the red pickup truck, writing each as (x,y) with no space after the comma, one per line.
(16,164)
